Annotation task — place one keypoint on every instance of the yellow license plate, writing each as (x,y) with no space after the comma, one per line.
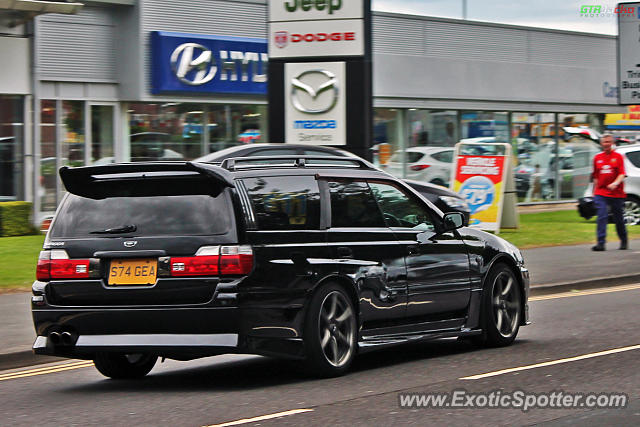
(133,271)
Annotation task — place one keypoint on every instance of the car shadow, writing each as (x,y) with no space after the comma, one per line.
(262,372)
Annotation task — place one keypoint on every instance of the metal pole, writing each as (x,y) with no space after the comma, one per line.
(464,9)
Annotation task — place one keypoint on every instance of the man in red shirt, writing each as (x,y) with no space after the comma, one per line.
(608,191)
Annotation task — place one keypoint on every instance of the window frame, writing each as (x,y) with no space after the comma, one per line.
(436,220)
(329,207)
(253,223)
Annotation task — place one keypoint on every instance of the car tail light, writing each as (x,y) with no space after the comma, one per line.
(55,264)
(418,167)
(195,266)
(214,260)
(236,260)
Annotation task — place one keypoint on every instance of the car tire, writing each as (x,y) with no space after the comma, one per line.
(330,333)
(124,366)
(632,210)
(502,309)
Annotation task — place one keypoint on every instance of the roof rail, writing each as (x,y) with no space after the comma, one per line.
(239,163)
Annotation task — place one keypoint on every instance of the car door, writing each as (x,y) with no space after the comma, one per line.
(289,246)
(437,262)
(367,251)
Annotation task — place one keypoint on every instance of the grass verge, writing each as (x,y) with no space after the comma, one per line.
(18,259)
(559,228)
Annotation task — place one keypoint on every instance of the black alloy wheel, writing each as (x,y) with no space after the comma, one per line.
(501,308)
(330,331)
(124,366)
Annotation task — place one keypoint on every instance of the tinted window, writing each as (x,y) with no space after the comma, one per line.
(444,156)
(152,216)
(401,209)
(634,158)
(413,157)
(285,202)
(353,205)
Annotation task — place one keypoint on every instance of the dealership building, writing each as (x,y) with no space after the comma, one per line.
(100,82)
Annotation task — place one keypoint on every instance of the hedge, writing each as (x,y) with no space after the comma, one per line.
(15,219)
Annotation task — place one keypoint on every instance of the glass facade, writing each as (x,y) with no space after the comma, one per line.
(387,137)
(533,139)
(548,163)
(73,136)
(176,131)
(11,146)
(47,181)
(432,128)
(551,152)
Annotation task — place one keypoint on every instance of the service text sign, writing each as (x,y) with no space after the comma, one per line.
(315,106)
(629,53)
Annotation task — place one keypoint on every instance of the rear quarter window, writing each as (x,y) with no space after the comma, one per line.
(285,202)
(153,216)
(634,158)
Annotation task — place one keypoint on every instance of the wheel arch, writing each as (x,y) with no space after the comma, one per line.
(346,283)
(503,258)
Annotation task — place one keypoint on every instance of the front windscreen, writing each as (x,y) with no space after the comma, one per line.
(80,217)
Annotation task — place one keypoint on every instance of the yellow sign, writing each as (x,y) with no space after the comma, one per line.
(630,118)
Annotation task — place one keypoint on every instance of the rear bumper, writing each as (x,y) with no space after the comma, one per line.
(174,331)
(152,343)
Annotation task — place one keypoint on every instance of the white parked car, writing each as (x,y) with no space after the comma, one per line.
(631,155)
(426,164)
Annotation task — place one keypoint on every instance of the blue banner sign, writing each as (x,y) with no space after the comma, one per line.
(208,64)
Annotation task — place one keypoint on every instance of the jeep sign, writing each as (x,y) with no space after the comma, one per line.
(305,10)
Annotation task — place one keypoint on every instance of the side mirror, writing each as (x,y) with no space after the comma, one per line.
(453,221)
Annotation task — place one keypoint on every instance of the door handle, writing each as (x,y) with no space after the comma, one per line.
(345,252)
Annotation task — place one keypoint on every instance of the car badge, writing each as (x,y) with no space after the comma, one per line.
(130,243)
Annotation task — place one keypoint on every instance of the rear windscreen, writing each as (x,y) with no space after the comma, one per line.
(151,216)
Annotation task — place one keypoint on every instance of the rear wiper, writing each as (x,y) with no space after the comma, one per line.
(118,230)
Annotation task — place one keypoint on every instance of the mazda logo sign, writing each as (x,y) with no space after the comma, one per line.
(130,243)
(314,91)
(192,64)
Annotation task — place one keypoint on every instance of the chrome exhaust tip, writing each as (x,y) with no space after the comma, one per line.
(55,338)
(66,338)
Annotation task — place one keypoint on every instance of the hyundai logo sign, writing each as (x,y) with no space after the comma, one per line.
(193,57)
(208,64)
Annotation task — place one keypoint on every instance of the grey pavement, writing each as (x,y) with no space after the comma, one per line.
(552,268)
(578,264)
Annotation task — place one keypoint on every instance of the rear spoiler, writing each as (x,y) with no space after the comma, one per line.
(145,179)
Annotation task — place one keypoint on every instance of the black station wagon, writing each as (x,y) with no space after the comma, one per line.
(310,258)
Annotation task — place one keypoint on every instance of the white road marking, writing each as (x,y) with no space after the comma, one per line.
(262,418)
(552,362)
